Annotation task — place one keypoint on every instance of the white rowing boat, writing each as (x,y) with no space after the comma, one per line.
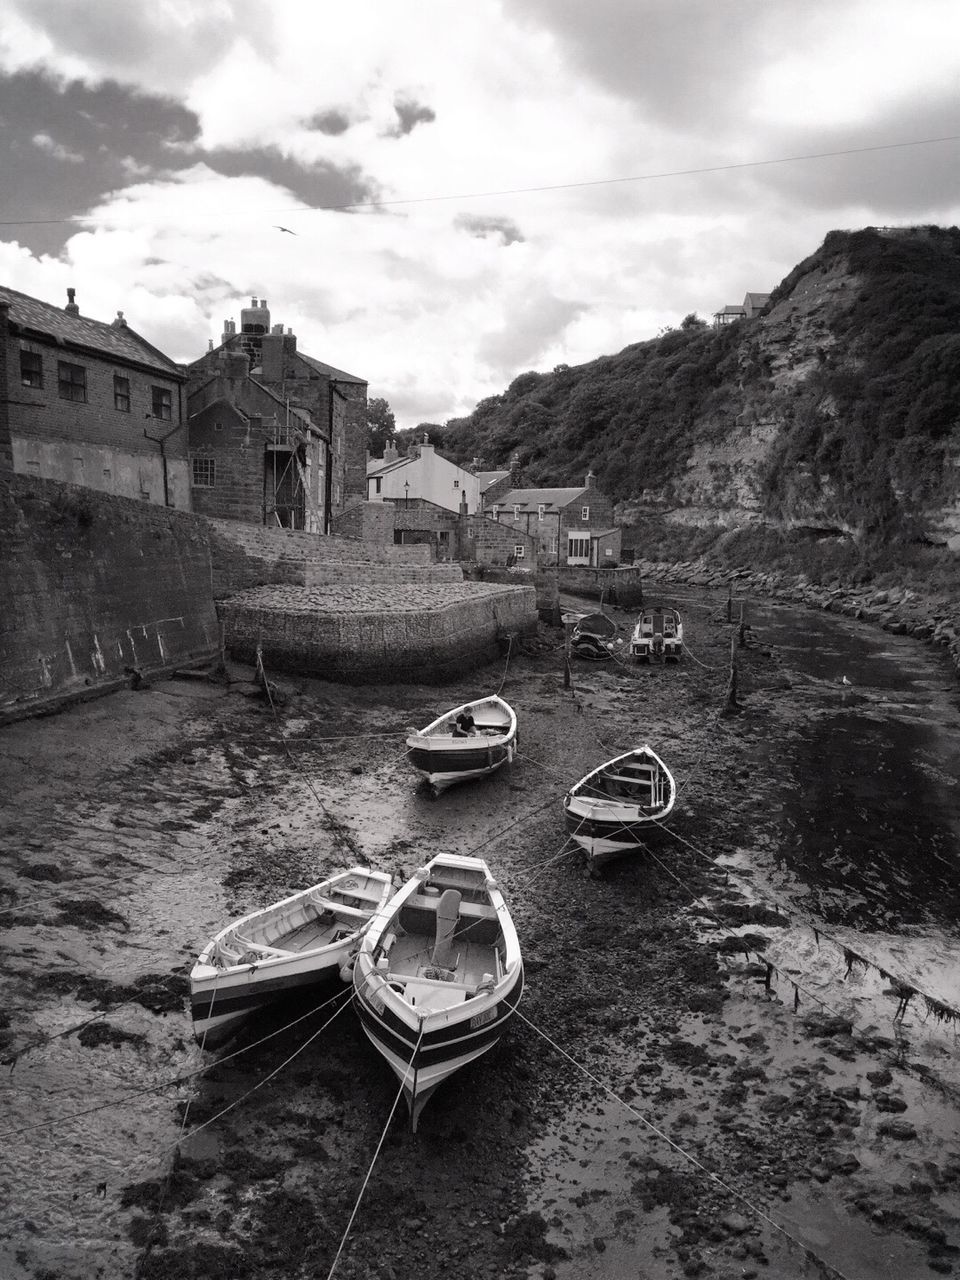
(294,944)
(614,807)
(438,974)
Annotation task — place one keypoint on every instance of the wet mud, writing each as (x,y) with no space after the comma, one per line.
(699,1081)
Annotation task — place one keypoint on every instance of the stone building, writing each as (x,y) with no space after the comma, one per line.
(292,448)
(571,526)
(89,403)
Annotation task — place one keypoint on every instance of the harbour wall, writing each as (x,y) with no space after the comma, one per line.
(98,591)
(424,633)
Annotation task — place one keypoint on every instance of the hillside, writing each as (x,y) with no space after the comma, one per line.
(838,410)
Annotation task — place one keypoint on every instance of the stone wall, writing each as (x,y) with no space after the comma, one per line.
(367,522)
(96,588)
(621,587)
(246,555)
(363,636)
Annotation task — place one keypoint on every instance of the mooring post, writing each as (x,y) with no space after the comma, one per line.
(729,601)
(731,704)
(742,629)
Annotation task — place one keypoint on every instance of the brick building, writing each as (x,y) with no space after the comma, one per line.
(291,444)
(89,403)
(570,526)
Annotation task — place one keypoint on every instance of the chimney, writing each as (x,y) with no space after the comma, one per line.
(119,323)
(588,483)
(515,471)
(271,357)
(71,308)
(390,452)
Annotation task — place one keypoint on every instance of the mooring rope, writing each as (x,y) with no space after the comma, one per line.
(376,1154)
(748,1204)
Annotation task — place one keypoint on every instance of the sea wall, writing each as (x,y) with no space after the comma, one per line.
(97,591)
(377,635)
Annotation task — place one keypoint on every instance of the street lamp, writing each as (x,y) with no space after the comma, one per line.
(406,493)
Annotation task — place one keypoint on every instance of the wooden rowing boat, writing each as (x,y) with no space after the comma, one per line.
(614,807)
(438,974)
(444,755)
(290,946)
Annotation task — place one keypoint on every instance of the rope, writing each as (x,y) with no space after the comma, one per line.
(755,1209)
(507,665)
(376,1155)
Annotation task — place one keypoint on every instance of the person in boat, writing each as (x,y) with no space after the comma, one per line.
(465,726)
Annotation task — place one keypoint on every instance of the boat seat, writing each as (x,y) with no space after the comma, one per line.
(341,908)
(448,914)
(260,949)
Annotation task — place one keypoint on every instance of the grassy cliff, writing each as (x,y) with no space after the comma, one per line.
(837,410)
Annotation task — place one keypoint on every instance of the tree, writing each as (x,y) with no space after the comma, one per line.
(381,426)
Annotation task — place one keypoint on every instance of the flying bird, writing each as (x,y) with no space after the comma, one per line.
(286,229)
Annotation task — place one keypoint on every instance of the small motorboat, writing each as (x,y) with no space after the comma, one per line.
(594,636)
(470,741)
(615,807)
(658,634)
(294,944)
(438,974)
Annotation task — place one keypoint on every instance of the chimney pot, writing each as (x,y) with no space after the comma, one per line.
(71,306)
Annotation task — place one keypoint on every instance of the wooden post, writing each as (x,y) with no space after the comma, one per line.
(731,705)
(729,601)
(567,627)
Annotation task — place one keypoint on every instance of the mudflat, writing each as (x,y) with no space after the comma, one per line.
(699,1079)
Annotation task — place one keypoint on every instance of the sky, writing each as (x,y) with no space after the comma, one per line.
(469,190)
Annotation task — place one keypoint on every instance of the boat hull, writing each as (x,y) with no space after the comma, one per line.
(604,836)
(617,806)
(219,1004)
(444,1049)
(445,767)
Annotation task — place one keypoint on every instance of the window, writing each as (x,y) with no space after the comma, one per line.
(377,483)
(496,511)
(162,402)
(72,381)
(204,473)
(541,508)
(31,366)
(456,484)
(516,512)
(578,548)
(121,393)
(584,514)
(519,552)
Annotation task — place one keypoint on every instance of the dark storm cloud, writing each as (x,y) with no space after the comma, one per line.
(331,122)
(63,146)
(319,185)
(409,115)
(476,224)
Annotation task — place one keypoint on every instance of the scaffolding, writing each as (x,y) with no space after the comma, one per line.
(291,501)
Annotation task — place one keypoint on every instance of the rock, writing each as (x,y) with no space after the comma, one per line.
(735,1223)
(889,1102)
(880,1078)
(902,1130)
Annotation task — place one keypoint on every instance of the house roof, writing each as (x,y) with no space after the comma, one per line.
(117,342)
(754,301)
(487,478)
(335,375)
(533,498)
(377,466)
(731,310)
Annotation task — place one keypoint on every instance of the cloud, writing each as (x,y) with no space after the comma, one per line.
(43,142)
(409,115)
(331,122)
(476,224)
(532,325)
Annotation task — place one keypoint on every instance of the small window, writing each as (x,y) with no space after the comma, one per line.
(541,509)
(121,393)
(516,512)
(519,552)
(496,511)
(584,513)
(204,473)
(378,483)
(456,484)
(31,366)
(72,381)
(162,402)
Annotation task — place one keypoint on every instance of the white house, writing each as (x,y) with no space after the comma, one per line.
(422,474)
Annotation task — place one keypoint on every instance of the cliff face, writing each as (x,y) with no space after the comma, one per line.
(838,409)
